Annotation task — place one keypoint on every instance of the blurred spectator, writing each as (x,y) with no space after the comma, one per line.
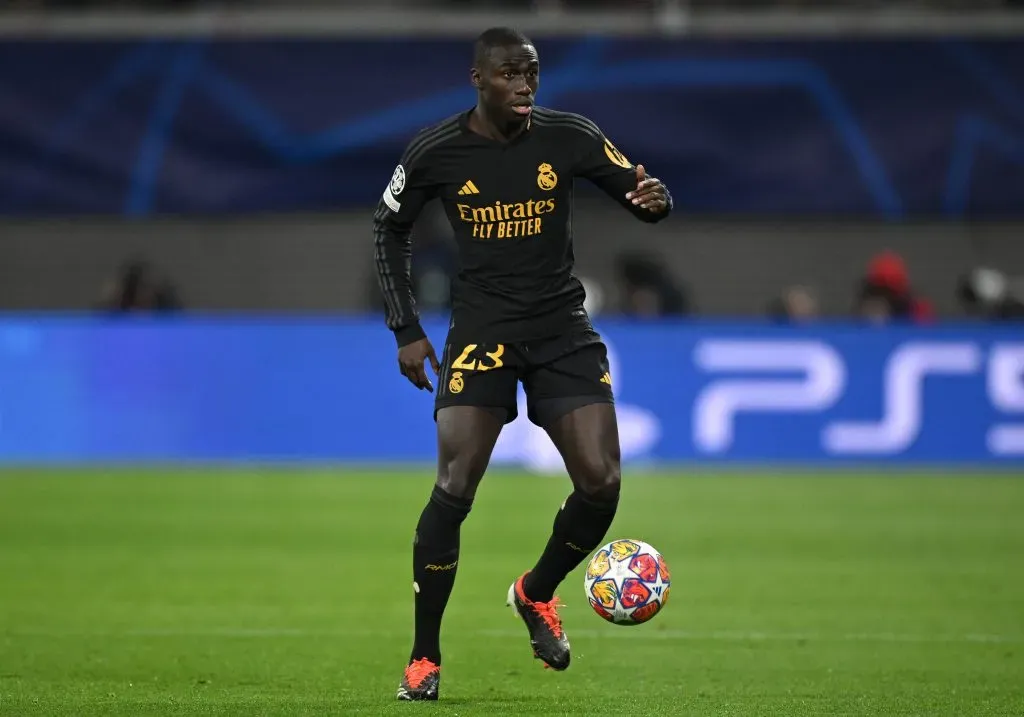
(987,294)
(648,288)
(139,287)
(885,293)
(797,304)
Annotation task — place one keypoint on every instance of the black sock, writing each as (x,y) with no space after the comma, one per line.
(435,557)
(579,527)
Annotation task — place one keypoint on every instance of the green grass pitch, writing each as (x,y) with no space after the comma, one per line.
(288,592)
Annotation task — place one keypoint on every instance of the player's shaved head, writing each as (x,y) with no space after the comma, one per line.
(496,37)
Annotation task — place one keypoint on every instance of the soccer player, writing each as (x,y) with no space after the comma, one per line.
(504,172)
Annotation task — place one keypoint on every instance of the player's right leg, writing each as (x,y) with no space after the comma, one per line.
(470,409)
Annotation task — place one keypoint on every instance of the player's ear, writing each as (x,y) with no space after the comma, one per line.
(474,77)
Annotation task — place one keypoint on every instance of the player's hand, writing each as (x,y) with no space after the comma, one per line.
(412,360)
(650,193)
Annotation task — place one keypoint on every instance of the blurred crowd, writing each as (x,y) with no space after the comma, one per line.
(885,294)
(529,4)
(645,287)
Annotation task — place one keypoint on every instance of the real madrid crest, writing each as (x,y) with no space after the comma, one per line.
(457,383)
(398,180)
(546,177)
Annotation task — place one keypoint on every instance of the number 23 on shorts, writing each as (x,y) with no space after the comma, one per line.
(465,363)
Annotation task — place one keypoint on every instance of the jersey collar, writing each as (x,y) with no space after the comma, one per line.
(464,126)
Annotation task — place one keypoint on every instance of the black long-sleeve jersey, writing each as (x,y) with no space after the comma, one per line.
(510,205)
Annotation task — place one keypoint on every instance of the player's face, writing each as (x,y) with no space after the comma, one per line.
(508,82)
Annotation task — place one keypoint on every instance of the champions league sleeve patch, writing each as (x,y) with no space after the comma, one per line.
(395,188)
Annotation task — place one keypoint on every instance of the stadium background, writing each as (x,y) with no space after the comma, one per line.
(201,418)
(243,167)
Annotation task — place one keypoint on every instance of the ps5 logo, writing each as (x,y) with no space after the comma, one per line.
(811,377)
(1006,392)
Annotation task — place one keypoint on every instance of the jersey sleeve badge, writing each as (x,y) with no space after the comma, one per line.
(615,156)
(394,188)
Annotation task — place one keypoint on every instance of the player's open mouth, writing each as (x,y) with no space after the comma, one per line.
(522,109)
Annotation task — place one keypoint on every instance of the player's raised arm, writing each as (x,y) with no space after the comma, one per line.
(403,199)
(599,161)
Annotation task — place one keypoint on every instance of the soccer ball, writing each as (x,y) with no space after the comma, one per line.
(627,582)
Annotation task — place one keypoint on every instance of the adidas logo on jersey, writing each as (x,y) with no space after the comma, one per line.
(468,188)
(607,378)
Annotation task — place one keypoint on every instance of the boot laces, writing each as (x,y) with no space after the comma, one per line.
(548,612)
(418,671)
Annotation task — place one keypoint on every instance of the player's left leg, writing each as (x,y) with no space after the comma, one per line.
(588,440)
(571,398)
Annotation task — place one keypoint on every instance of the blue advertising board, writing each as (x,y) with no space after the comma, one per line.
(80,390)
(877,128)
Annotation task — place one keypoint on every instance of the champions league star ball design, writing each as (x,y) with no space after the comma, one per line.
(627,582)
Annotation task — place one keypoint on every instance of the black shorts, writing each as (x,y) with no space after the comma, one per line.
(559,374)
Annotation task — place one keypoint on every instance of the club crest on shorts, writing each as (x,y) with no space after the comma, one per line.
(546,177)
(397,180)
(457,383)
